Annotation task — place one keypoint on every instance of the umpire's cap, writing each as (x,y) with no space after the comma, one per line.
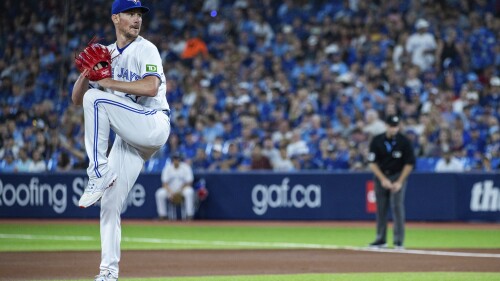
(120,6)
(392,120)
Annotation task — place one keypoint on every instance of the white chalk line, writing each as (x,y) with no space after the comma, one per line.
(279,245)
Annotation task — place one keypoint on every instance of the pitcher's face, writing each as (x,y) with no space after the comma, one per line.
(128,23)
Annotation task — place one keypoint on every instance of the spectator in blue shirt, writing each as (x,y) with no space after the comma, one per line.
(216,158)
(233,158)
(309,162)
(200,160)
(8,164)
(180,127)
(190,145)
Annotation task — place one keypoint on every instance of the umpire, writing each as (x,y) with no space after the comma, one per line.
(391,160)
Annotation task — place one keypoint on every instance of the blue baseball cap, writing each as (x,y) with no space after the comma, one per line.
(120,6)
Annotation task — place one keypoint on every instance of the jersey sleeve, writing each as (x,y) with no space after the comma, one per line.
(150,62)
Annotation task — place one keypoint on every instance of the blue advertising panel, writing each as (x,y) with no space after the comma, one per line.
(478,197)
(320,196)
(57,195)
(285,196)
(266,196)
(431,196)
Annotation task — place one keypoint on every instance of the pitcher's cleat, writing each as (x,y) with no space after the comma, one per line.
(105,276)
(95,189)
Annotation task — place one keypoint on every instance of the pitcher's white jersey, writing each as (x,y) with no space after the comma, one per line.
(136,61)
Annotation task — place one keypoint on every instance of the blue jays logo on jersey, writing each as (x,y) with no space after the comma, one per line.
(128,75)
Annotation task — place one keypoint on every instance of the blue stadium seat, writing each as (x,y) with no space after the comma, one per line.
(495,162)
(426,164)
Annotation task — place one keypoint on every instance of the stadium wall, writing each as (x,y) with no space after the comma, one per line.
(266,196)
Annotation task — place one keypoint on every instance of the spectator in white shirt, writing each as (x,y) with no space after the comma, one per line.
(449,163)
(282,162)
(421,46)
(283,132)
(262,28)
(373,126)
(269,150)
(38,165)
(297,145)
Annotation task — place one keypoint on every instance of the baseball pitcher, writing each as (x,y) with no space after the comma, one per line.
(134,106)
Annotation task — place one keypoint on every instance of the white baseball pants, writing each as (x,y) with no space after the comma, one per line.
(140,132)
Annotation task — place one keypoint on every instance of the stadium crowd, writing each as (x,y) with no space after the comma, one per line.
(282,85)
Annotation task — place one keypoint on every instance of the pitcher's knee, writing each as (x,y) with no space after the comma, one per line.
(90,96)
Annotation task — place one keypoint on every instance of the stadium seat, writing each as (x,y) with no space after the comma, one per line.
(426,164)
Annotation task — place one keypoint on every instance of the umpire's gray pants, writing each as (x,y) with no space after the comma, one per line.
(396,199)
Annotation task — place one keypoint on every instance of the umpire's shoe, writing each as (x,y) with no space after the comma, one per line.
(105,276)
(95,189)
(378,244)
(398,246)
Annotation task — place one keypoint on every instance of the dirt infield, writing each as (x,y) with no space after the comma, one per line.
(73,265)
(69,265)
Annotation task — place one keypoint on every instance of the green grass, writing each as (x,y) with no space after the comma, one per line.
(59,237)
(54,236)
(410,276)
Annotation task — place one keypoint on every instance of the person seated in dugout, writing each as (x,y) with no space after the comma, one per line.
(177,187)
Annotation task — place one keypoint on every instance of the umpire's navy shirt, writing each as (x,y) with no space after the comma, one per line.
(391,154)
